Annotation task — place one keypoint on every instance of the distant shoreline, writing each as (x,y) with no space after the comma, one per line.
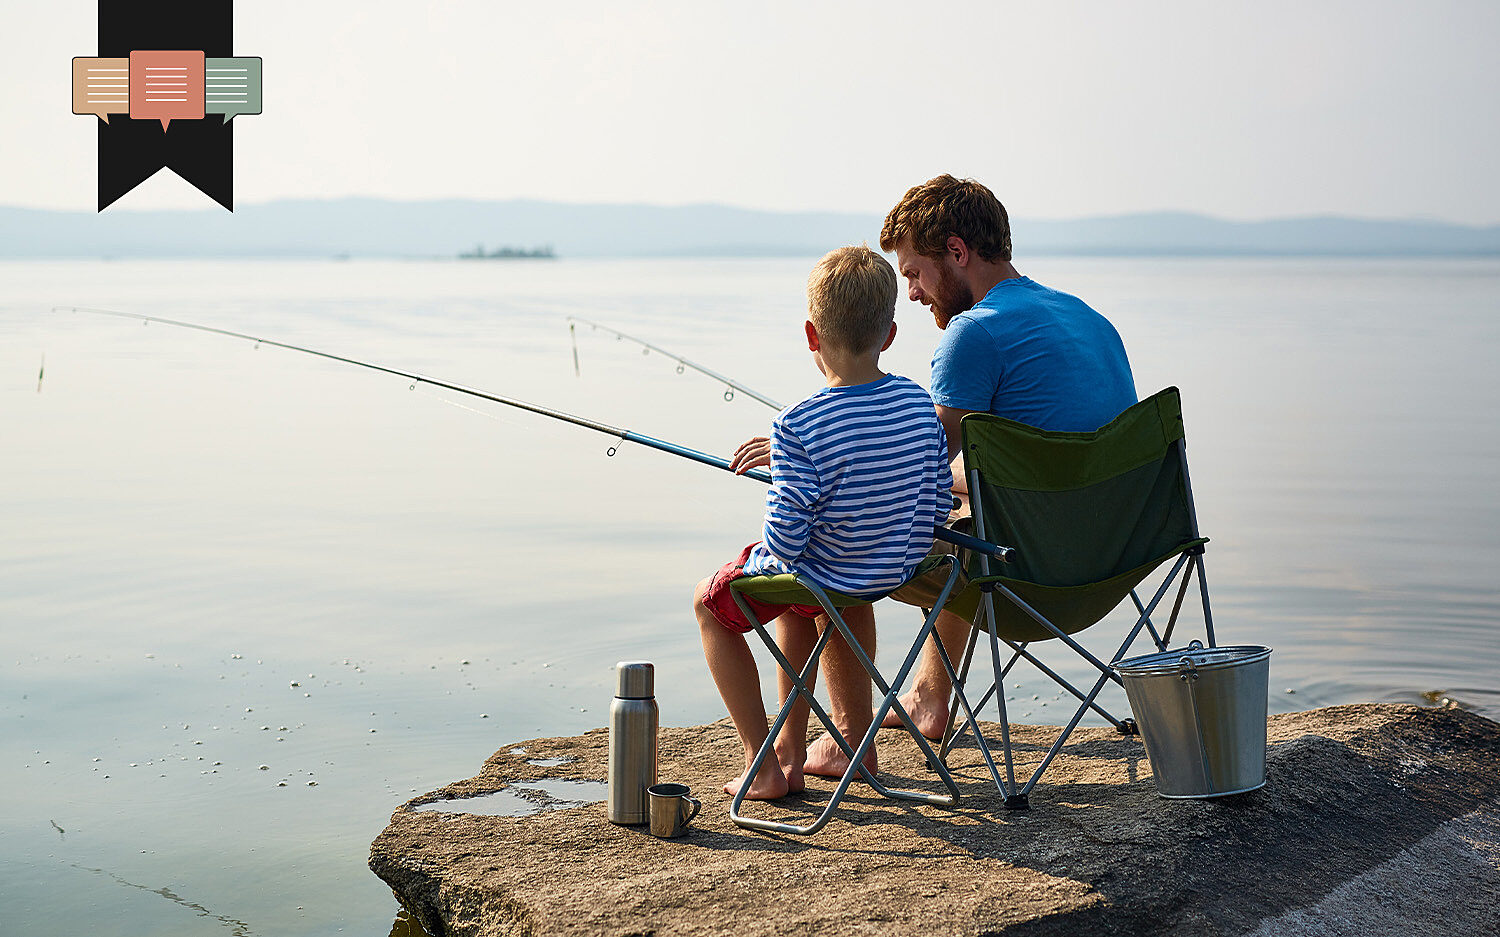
(806,254)
(509,253)
(386,228)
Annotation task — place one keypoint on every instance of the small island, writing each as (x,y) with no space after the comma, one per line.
(509,253)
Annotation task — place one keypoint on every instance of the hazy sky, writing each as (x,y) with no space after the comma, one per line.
(1245,110)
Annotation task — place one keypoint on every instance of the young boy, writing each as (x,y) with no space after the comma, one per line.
(859,478)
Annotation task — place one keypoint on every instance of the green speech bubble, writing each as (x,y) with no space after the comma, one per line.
(231,86)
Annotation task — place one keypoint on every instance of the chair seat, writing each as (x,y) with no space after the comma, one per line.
(784,589)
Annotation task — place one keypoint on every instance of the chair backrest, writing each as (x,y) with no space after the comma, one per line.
(1083,508)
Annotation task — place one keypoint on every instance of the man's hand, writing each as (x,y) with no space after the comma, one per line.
(752,453)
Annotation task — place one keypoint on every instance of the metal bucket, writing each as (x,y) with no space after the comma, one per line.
(1202,715)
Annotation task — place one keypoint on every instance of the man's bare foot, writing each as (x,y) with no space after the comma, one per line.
(826,759)
(930,715)
(791,769)
(770,783)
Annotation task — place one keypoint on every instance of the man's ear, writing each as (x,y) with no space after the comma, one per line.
(958,250)
(812,335)
(889,338)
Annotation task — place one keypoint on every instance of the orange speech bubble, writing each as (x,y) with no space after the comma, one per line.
(166,86)
(101,87)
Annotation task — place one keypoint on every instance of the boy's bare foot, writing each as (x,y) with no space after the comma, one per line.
(769,784)
(930,715)
(826,759)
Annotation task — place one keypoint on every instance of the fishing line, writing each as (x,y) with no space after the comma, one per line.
(730,385)
(623,435)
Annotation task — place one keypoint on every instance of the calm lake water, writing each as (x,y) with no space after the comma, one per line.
(251,601)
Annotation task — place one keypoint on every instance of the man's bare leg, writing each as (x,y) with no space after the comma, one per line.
(849,693)
(927,700)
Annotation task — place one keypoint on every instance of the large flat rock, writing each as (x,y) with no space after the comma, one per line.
(1375,820)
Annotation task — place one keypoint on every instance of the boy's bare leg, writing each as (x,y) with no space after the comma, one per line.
(733,668)
(796,636)
(927,700)
(849,692)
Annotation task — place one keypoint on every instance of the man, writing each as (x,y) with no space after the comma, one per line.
(1011,347)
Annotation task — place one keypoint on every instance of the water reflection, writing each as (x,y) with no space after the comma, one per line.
(194,525)
(524,798)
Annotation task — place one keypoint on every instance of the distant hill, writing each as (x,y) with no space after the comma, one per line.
(385,228)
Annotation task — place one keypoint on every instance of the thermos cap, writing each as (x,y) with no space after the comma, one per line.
(635,679)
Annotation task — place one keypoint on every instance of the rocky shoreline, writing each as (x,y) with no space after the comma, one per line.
(1375,819)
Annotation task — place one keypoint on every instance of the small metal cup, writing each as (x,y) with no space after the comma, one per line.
(669,809)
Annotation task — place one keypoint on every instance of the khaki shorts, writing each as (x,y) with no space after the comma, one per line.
(924,592)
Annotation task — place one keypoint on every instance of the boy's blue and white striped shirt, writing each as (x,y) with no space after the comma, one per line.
(859,477)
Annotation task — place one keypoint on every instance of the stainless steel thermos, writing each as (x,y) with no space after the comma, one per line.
(632,742)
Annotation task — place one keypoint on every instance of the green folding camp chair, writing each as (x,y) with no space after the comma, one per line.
(1091,516)
(797,589)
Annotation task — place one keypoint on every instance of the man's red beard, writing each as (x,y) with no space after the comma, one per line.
(951,297)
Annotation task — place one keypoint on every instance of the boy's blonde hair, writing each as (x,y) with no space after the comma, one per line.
(851,298)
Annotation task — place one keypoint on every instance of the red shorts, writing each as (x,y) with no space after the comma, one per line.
(722,605)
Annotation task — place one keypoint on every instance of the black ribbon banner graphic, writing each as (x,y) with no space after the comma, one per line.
(200,151)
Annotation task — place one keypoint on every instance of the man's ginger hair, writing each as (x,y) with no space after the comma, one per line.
(944,207)
(851,298)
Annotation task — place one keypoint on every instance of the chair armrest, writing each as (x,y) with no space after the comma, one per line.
(1003,554)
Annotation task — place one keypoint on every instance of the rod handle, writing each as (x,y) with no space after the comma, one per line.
(1001,553)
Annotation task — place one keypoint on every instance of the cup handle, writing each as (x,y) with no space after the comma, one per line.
(697,805)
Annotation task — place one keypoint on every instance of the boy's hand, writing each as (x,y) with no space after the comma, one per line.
(752,453)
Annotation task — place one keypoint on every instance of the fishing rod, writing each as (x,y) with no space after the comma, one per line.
(624,435)
(730,385)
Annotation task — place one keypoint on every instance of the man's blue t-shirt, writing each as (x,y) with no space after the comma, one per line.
(1036,356)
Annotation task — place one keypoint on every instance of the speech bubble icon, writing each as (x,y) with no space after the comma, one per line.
(231,86)
(166,85)
(101,87)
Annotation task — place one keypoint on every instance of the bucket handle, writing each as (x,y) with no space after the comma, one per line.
(1186,669)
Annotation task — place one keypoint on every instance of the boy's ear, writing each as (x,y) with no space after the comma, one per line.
(812,335)
(889,338)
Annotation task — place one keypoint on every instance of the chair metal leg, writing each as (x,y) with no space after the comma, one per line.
(1013,799)
(1208,615)
(1020,650)
(1018,796)
(799,689)
(1161,645)
(971,719)
(857,754)
(1061,740)
(1187,578)
(959,679)
(1098,686)
(1068,639)
(953,732)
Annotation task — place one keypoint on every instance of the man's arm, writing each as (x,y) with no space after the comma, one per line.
(950,417)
